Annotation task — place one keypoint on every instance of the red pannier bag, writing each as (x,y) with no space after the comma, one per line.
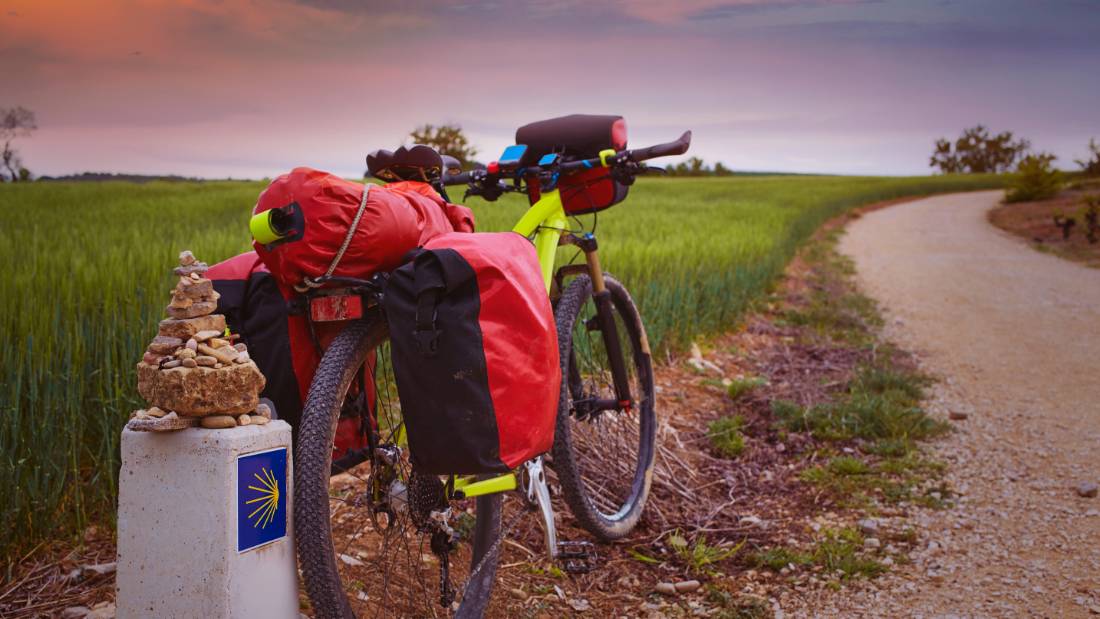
(579,136)
(279,341)
(321,208)
(474,351)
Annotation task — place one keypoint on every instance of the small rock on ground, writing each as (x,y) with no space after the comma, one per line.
(665,588)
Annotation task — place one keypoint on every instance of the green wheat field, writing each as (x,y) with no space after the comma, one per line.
(86,276)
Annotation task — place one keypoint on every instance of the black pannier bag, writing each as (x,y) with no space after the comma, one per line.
(475,353)
(579,136)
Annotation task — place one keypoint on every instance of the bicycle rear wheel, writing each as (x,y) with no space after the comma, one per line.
(603,456)
(365,537)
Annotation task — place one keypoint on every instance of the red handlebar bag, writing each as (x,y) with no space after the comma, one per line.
(475,353)
(322,210)
(579,136)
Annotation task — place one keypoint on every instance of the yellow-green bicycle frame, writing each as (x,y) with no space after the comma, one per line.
(547,222)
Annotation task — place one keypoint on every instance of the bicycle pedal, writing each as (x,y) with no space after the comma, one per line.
(577,557)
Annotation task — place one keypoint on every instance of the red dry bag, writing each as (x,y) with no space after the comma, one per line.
(323,213)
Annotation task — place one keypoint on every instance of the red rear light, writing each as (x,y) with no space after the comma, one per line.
(336,307)
(493,167)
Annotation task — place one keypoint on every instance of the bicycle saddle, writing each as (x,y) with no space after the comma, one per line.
(408,163)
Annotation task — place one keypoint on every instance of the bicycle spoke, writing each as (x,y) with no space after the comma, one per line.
(606,442)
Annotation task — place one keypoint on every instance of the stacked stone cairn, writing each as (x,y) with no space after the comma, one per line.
(194,372)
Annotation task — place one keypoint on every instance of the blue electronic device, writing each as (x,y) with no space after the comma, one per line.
(512,155)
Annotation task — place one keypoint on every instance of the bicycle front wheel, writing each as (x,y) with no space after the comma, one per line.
(603,455)
(366,538)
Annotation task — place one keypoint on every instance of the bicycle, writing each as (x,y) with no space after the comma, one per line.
(607,403)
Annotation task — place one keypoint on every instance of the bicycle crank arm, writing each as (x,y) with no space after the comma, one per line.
(538,495)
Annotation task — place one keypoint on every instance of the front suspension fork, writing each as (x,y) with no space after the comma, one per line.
(605,313)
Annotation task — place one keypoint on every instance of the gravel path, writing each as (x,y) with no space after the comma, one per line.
(1015,335)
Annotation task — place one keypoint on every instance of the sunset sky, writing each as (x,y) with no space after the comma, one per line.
(250,88)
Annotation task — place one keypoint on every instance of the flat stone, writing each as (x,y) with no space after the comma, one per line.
(189,362)
(206,361)
(151,358)
(224,355)
(243,358)
(263,410)
(200,391)
(102,612)
(687,586)
(258,420)
(218,422)
(665,588)
(217,342)
(154,411)
(194,289)
(196,267)
(868,526)
(1087,489)
(180,302)
(196,310)
(187,258)
(99,569)
(207,334)
(244,420)
(185,328)
(164,345)
(241,347)
(169,423)
(167,365)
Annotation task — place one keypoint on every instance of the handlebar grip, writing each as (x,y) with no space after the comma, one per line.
(667,149)
(456,179)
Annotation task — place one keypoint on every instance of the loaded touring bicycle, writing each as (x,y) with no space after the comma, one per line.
(477,366)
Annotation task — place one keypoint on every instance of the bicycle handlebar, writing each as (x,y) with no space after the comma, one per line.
(668,149)
(676,147)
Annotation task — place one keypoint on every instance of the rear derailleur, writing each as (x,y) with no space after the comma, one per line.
(431,512)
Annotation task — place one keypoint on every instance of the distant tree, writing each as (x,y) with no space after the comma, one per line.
(697,167)
(1036,179)
(721,170)
(448,140)
(15,122)
(1091,166)
(977,152)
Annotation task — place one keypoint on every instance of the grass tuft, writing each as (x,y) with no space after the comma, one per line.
(726,437)
(743,385)
(882,405)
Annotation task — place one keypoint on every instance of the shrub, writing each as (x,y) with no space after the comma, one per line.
(1091,166)
(1091,216)
(1036,179)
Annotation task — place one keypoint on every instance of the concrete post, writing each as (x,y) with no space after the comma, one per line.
(204,524)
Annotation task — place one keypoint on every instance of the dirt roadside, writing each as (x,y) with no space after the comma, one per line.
(1015,334)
